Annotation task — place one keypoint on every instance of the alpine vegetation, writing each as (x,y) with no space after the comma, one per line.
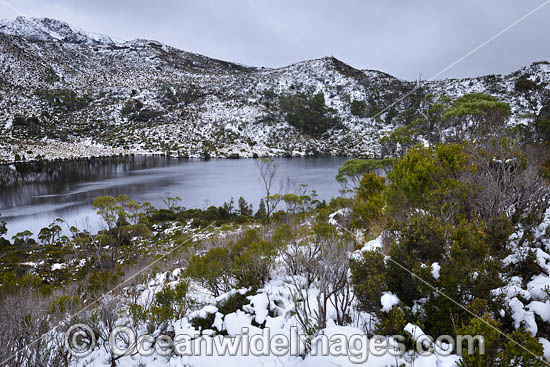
(435,252)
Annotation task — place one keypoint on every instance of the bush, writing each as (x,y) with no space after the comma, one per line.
(308,114)
(369,199)
(204,323)
(358,108)
(65,100)
(252,260)
(245,264)
(233,303)
(211,270)
(499,350)
(171,303)
(368,279)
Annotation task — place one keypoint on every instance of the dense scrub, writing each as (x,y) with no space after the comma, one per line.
(448,213)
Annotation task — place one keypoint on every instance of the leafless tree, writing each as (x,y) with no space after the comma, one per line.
(508,182)
(267,168)
(23,329)
(321,264)
(107,319)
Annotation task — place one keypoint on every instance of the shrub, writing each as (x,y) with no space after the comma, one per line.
(211,270)
(234,302)
(252,260)
(204,323)
(171,303)
(368,278)
(369,199)
(358,108)
(308,114)
(524,350)
(353,170)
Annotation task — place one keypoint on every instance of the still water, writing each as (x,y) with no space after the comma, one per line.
(31,197)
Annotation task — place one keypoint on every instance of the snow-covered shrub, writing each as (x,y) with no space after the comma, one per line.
(518,348)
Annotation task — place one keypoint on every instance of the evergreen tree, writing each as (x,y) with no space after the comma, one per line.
(261,210)
(245,209)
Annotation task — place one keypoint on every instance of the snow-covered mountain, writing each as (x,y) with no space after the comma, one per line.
(65,92)
(46,29)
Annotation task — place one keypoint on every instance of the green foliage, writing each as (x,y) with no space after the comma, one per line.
(101,280)
(3,227)
(233,303)
(203,323)
(431,121)
(135,110)
(171,303)
(308,114)
(244,264)
(64,304)
(252,260)
(261,213)
(350,174)
(123,220)
(523,85)
(479,114)
(49,235)
(359,108)
(64,100)
(436,214)
(211,270)
(31,124)
(245,209)
(369,199)
(427,178)
(400,140)
(542,123)
(391,323)
(300,202)
(368,278)
(23,239)
(522,350)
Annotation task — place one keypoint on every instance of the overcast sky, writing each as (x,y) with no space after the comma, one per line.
(402,37)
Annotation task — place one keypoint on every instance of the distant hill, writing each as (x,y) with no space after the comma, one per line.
(65,92)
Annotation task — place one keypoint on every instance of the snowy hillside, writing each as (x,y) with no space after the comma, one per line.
(68,93)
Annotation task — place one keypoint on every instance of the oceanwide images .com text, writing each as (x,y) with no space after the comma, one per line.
(80,340)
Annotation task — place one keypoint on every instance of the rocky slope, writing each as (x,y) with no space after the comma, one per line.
(65,92)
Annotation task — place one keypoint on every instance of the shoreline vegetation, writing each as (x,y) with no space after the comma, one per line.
(38,161)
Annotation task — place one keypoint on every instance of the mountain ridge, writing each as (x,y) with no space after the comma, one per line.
(82,94)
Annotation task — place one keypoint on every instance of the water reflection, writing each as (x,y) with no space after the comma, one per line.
(31,196)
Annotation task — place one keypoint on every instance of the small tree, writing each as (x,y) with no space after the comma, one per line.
(476,115)
(173,203)
(431,110)
(267,169)
(245,209)
(3,227)
(322,264)
(121,217)
(212,270)
(353,170)
(49,235)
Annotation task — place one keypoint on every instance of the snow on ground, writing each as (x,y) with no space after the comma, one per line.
(388,300)
(435,270)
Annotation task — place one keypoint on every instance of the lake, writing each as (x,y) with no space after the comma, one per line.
(32,196)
